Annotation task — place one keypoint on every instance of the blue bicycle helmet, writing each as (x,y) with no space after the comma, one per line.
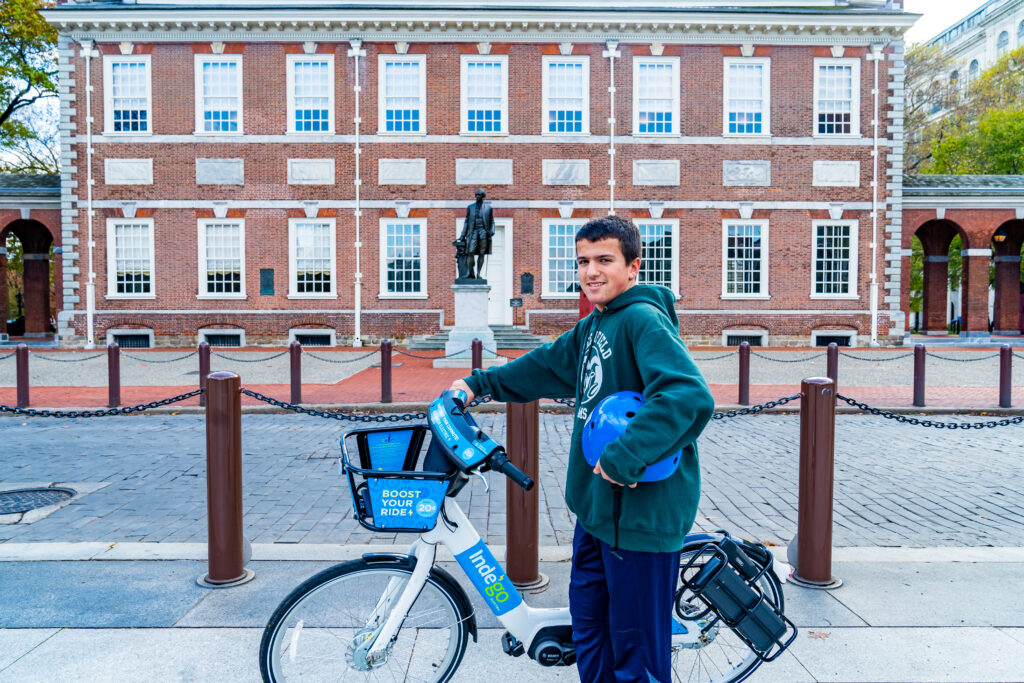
(608,422)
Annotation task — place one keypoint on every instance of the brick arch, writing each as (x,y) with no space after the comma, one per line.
(936,235)
(311,321)
(125,323)
(223,322)
(36,240)
(1008,313)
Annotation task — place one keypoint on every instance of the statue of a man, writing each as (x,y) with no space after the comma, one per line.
(475,239)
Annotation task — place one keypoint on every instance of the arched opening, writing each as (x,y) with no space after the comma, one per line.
(1003,43)
(935,287)
(1008,279)
(27,275)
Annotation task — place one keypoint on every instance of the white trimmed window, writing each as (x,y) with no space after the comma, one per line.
(311,256)
(402,94)
(559,266)
(656,96)
(745,259)
(310,94)
(130,258)
(127,94)
(834,273)
(221,258)
(566,84)
(403,258)
(484,94)
(836,97)
(1003,43)
(747,96)
(659,253)
(218,94)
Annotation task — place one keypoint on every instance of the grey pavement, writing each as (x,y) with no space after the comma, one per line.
(861,367)
(896,485)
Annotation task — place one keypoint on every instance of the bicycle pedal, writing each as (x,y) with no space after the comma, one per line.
(511,646)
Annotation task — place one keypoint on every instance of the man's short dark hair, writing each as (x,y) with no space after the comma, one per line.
(613,227)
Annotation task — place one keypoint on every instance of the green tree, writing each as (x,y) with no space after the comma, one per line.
(929,91)
(28,77)
(916,275)
(994,146)
(15,271)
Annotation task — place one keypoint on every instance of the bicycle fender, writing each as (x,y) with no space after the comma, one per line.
(440,575)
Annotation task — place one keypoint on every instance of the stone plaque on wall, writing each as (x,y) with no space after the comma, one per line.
(656,171)
(837,173)
(311,171)
(128,171)
(401,171)
(746,173)
(566,171)
(220,171)
(483,171)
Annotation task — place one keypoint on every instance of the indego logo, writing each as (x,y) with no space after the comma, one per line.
(489,579)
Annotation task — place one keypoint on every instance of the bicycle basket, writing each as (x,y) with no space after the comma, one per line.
(388,493)
(725,578)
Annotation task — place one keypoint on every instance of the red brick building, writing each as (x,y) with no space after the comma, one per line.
(239,169)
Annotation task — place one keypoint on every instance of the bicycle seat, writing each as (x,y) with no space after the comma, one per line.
(457,433)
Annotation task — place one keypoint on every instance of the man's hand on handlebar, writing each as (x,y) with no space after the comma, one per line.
(459,385)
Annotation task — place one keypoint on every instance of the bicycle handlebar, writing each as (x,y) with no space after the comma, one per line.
(500,462)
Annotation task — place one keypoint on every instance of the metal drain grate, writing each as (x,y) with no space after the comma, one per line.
(23,500)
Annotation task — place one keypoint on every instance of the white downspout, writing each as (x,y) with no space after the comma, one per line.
(356,52)
(876,57)
(611,53)
(90,285)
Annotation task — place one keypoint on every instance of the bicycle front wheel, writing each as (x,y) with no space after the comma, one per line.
(324,628)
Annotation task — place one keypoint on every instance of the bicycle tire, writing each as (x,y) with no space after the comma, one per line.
(323,613)
(725,659)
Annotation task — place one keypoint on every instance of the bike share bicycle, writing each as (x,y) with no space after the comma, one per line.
(401,617)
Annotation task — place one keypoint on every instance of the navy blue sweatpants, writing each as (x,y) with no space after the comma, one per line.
(621,612)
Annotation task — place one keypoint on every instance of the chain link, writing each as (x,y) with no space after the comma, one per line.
(343,360)
(754,410)
(727,355)
(929,423)
(468,349)
(46,356)
(392,417)
(875,360)
(249,360)
(1017,355)
(10,355)
(158,360)
(963,360)
(783,360)
(127,410)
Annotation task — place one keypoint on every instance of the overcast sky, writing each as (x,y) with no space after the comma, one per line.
(938,15)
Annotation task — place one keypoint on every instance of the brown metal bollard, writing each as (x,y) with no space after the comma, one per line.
(113,375)
(744,398)
(1006,376)
(478,354)
(832,364)
(522,559)
(385,371)
(204,370)
(226,545)
(817,462)
(920,355)
(21,361)
(295,355)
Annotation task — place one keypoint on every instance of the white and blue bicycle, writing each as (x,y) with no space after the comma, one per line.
(402,618)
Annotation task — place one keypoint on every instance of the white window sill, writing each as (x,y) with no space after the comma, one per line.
(573,296)
(468,134)
(313,296)
(131,296)
(838,136)
(310,133)
(126,133)
(402,296)
(835,297)
(582,134)
(401,133)
(746,297)
(217,297)
(748,136)
(663,136)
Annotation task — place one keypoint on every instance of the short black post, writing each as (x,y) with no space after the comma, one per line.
(385,371)
(295,355)
(832,364)
(204,369)
(920,355)
(478,354)
(21,360)
(1006,376)
(113,375)
(744,398)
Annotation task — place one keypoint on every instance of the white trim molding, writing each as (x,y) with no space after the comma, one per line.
(201,261)
(382,61)
(290,95)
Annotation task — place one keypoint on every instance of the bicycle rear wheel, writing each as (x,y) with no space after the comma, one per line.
(323,629)
(721,657)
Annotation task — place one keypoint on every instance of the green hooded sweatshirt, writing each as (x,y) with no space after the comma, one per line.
(633,345)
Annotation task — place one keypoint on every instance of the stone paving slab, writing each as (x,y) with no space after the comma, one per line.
(896,485)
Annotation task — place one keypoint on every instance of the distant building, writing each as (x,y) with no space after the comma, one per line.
(982,37)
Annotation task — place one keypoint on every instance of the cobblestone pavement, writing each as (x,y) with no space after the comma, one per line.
(896,485)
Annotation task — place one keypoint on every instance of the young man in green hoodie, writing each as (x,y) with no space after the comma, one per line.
(620,598)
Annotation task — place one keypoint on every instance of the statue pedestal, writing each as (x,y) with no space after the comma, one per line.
(470,324)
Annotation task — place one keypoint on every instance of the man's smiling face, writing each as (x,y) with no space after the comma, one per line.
(602,270)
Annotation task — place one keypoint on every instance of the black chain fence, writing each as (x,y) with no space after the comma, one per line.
(127,410)
(468,349)
(724,355)
(249,360)
(906,419)
(844,354)
(158,360)
(963,360)
(785,360)
(340,360)
(754,410)
(351,417)
(54,359)
(10,355)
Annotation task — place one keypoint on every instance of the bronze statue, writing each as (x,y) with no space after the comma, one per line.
(475,239)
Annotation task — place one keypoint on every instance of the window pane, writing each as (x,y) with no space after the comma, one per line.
(311,84)
(561,257)
(656,254)
(223,258)
(743,259)
(746,98)
(403,260)
(132,258)
(130,96)
(832,259)
(220,96)
(313,267)
(483,97)
(402,96)
(566,98)
(835,99)
(655,98)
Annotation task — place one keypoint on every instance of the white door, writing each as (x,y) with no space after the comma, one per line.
(497,271)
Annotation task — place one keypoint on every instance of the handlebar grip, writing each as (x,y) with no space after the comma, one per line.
(500,462)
